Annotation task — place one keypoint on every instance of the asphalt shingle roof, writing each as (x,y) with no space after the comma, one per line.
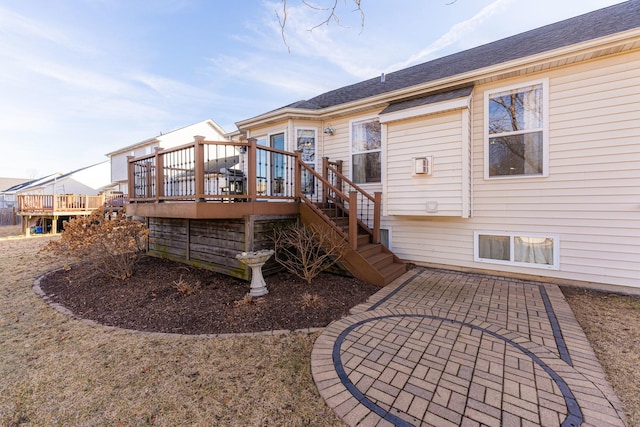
(600,23)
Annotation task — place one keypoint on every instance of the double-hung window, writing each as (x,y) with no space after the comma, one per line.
(516,128)
(366,150)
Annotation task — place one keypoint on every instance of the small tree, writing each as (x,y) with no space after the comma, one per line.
(112,244)
(306,252)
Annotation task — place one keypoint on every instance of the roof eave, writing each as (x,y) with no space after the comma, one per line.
(470,77)
(277,115)
(133,146)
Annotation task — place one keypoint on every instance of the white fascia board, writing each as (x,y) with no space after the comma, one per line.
(465,78)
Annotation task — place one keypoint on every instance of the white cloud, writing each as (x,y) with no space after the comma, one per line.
(19,28)
(456,33)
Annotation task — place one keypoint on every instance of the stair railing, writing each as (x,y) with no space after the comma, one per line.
(342,198)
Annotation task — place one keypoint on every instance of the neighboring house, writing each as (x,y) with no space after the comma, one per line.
(7,201)
(9,195)
(46,202)
(207,128)
(6,194)
(519,156)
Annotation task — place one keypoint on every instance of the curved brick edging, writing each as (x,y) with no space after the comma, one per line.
(64,310)
(442,348)
(574,416)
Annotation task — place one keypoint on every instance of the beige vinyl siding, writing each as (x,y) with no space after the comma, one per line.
(442,137)
(590,200)
(432,240)
(337,146)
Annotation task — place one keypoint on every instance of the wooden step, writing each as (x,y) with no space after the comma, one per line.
(369,249)
(372,263)
(380,260)
(341,222)
(364,239)
(393,271)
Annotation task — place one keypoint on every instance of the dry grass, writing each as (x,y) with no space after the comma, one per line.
(10,231)
(60,371)
(612,324)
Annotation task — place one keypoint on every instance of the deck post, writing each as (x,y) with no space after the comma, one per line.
(159,174)
(298,175)
(353,219)
(252,190)
(325,175)
(130,177)
(376,216)
(338,183)
(198,159)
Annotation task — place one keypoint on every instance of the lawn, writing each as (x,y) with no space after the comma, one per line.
(60,371)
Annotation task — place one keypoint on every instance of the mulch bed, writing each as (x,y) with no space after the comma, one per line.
(150,300)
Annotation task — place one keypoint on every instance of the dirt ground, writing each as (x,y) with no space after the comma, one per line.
(57,370)
(210,303)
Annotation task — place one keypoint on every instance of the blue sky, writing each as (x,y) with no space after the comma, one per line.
(80,78)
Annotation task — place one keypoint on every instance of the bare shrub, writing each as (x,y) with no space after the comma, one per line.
(185,288)
(308,300)
(248,300)
(307,252)
(112,244)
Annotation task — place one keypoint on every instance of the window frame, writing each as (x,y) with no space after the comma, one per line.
(544,129)
(512,236)
(315,143)
(265,140)
(371,118)
(307,180)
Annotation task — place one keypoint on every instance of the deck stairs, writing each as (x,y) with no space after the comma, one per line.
(368,261)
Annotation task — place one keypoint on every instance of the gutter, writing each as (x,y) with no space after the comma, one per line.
(470,77)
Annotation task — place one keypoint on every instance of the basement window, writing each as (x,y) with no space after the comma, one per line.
(525,250)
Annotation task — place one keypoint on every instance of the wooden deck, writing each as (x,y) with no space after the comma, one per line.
(51,209)
(66,204)
(214,179)
(222,186)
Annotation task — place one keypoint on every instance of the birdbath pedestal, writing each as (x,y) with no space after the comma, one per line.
(256,260)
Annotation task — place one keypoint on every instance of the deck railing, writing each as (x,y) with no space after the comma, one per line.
(226,171)
(46,203)
(335,196)
(213,171)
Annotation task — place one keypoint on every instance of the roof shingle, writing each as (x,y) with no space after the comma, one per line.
(600,23)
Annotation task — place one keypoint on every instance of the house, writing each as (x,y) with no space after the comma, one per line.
(5,186)
(518,157)
(7,200)
(9,197)
(207,128)
(46,202)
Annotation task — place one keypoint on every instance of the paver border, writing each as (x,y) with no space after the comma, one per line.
(352,406)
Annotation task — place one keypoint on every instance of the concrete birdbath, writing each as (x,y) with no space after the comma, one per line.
(256,260)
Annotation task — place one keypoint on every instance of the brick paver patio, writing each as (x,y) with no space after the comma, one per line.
(441,348)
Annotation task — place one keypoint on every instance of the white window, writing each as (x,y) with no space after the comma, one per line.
(516,131)
(385,237)
(306,145)
(522,249)
(366,150)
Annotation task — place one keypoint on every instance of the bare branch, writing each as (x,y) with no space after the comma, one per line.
(332,15)
(283,21)
(306,252)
